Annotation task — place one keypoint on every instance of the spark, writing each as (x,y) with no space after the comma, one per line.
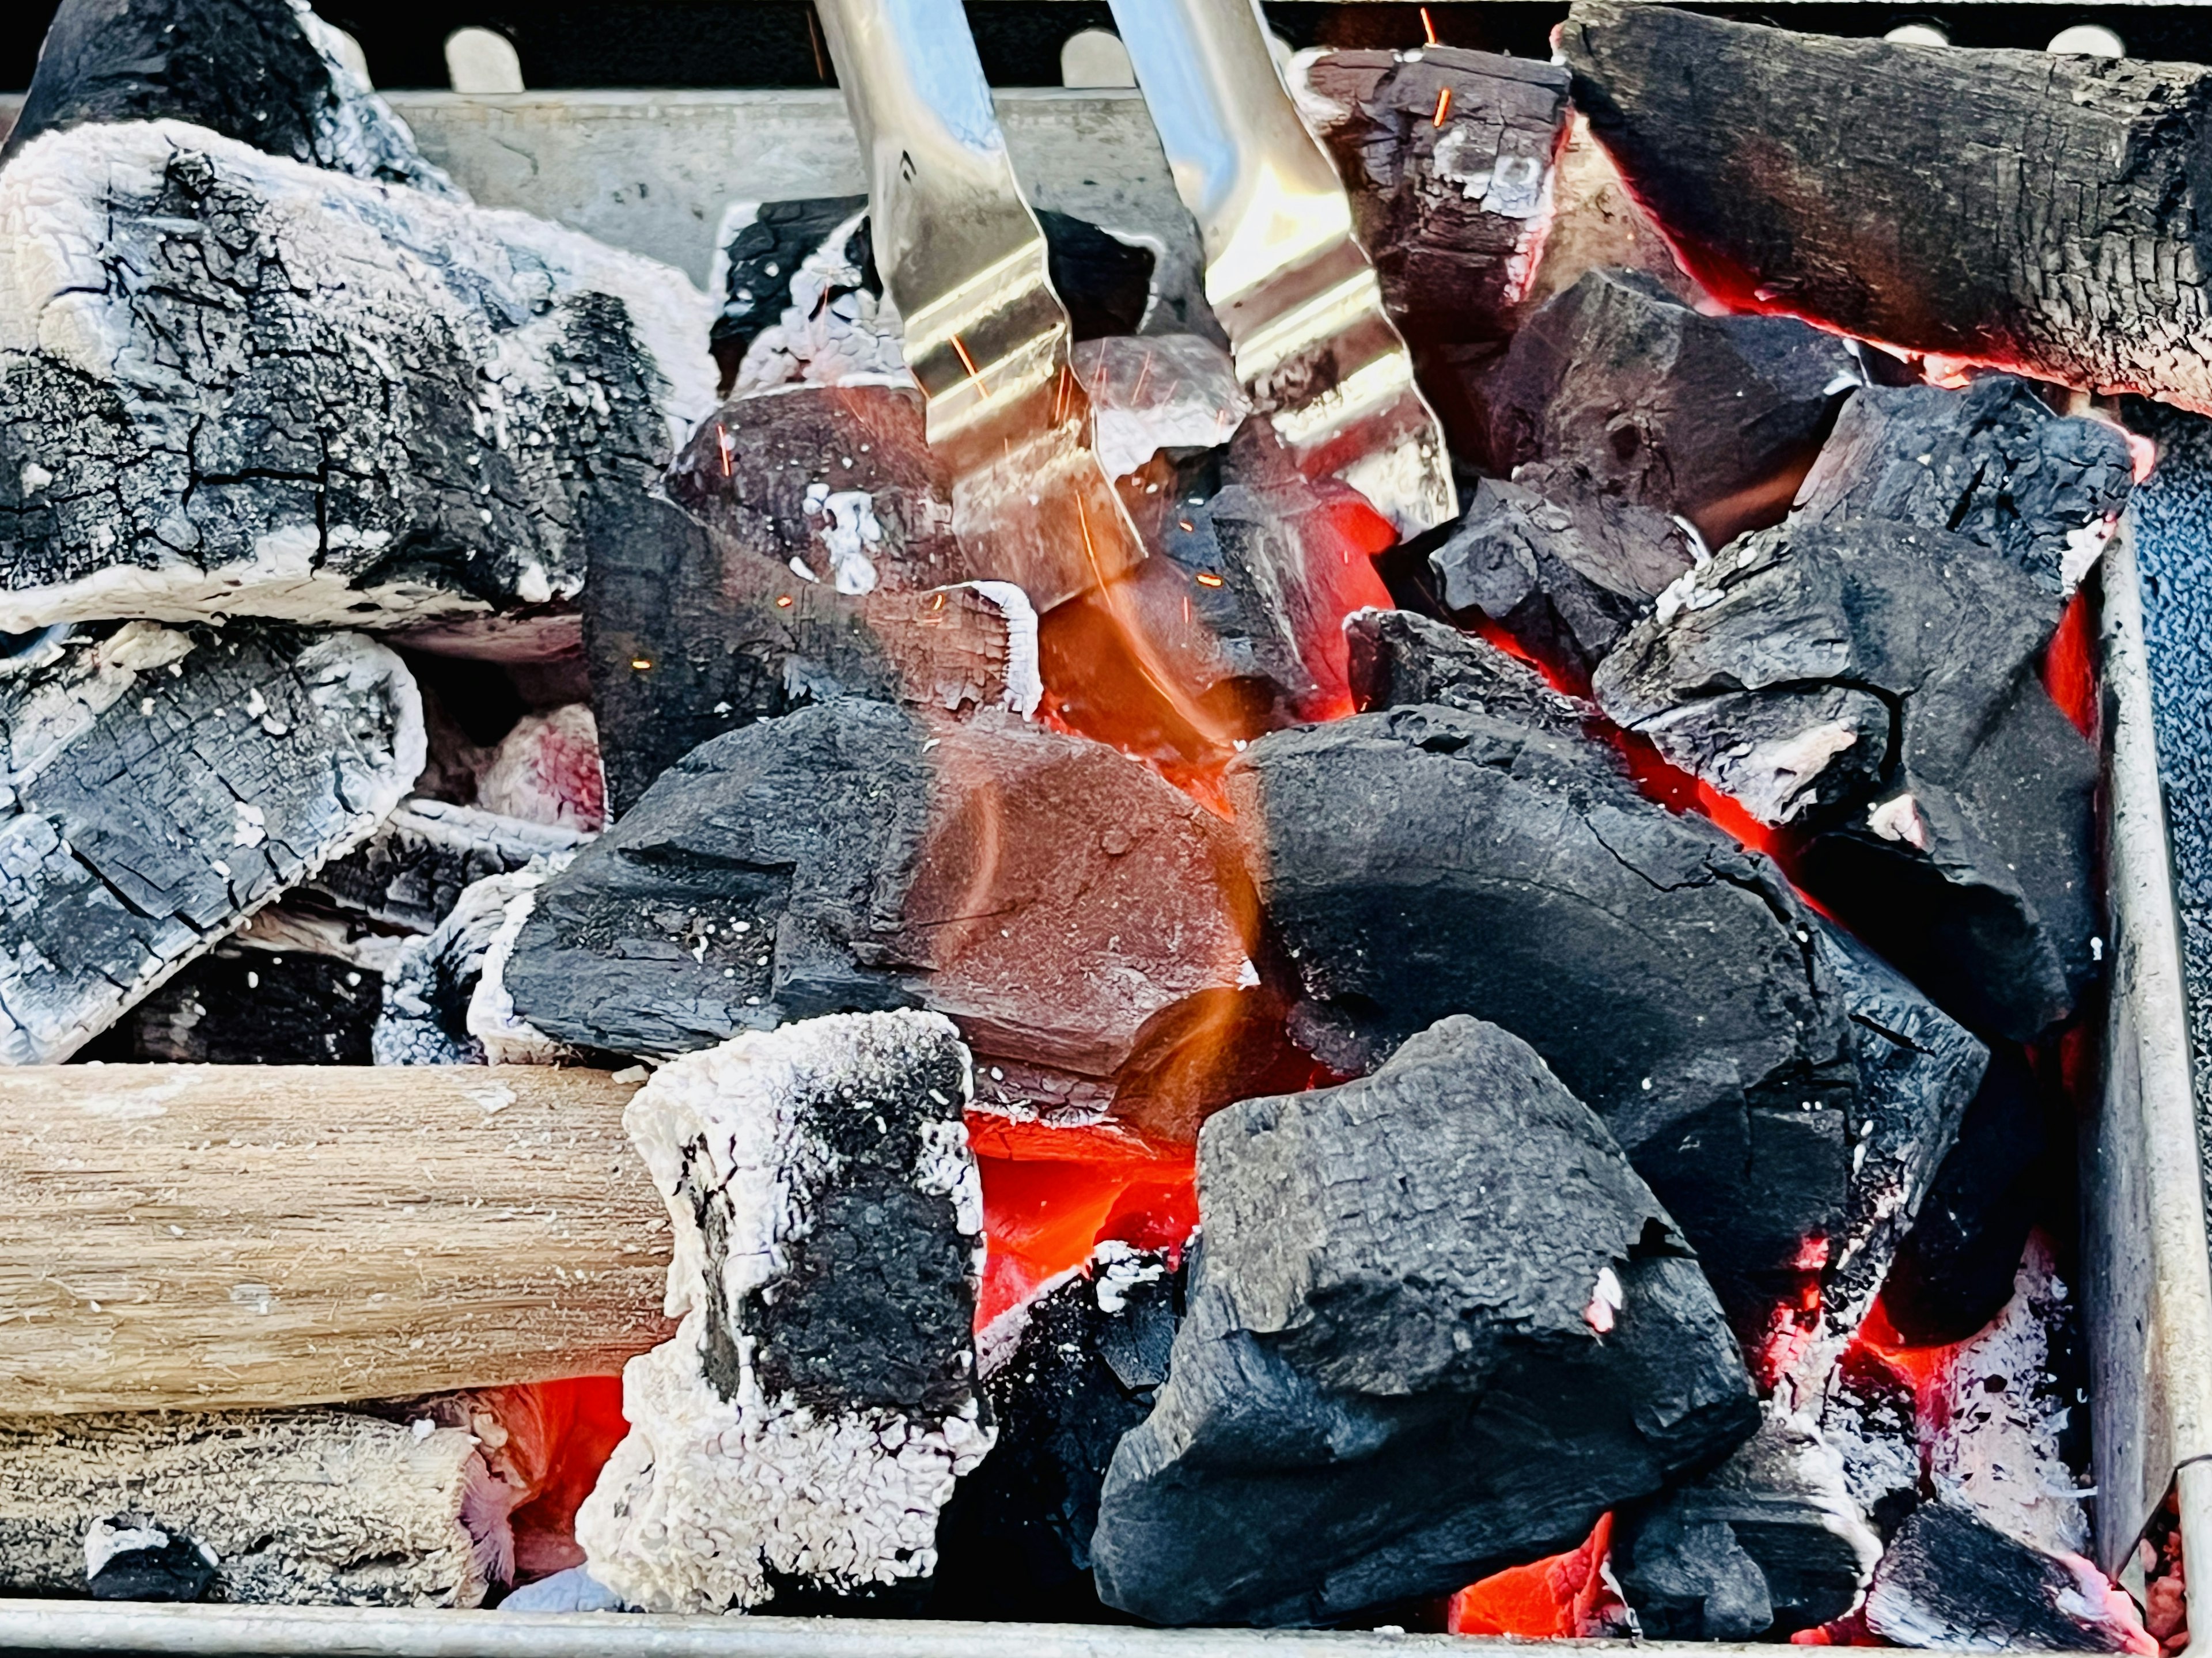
(722,442)
(1428,27)
(1059,395)
(940,603)
(1143,369)
(1186,527)
(1207,579)
(1443,109)
(976,373)
(641,663)
(783,601)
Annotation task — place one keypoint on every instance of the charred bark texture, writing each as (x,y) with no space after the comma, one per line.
(2030,210)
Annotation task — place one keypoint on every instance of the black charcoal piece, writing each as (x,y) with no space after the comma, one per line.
(800,1432)
(1880,682)
(1067,1374)
(127,1561)
(1449,156)
(1991,463)
(163,784)
(1674,981)
(403,440)
(1952,1580)
(1437,1326)
(1714,418)
(1400,658)
(1769,1543)
(1106,283)
(411,871)
(1565,568)
(266,72)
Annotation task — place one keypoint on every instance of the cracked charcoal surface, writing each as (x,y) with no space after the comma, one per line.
(1882,198)
(1990,463)
(1387,1382)
(1399,658)
(265,72)
(1672,981)
(163,785)
(1566,569)
(1676,411)
(412,871)
(1453,214)
(311,1508)
(804,1425)
(1879,683)
(236,384)
(1080,1370)
(1082,921)
(1769,1543)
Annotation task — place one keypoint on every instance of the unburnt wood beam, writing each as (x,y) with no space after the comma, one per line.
(204,1237)
(2028,210)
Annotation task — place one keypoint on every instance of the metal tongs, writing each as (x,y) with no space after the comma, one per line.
(963,259)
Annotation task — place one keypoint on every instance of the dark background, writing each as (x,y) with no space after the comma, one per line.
(769,43)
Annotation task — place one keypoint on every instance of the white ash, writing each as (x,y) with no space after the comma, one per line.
(1119,1268)
(430,993)
(355,131)
(850,532)
(573,1590)
(400,431)
(810,1416)
(1165,391)
(131,764)
(836,331)
(505,1036)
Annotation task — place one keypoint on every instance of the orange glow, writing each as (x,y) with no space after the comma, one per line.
(2069,666)
(1428,28)
(1443,105)
(783,601)
(968,363)
(1557,1598)
(559,1435)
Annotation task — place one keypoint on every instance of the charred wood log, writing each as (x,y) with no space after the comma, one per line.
(265,72)
(282,1508)
(1401,1264)
(412,871)
(1877,188)
(279,1237)
(1878,682)
(1991,463)
(1712,418)
(163,786)
(804,1426)
(409,441)
(1449,156)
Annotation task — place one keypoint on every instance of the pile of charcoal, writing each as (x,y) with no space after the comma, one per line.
(1321,1080)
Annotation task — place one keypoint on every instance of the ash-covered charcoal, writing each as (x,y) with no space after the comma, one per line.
(1674,981)
(1437,1326)
(1566,569)
(163,785)
(1165,391)
(763,248)
(1712,418)
(1878,682)
(1870,1415)
(1991,463)
(1084,922)
(838,483)
(1769,1543)
(403,441)
(1954,1272)
(547,770)
(803,1429)
(1067,1374)
(1449,156)
(250,1006)
(1399,657)
(412,871)
(430,1013)
(692,634)
(1950,1580)
(1878,187)
(266,72)
(127,1561)
(311,1508)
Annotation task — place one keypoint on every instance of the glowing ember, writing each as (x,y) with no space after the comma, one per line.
(1564,1596)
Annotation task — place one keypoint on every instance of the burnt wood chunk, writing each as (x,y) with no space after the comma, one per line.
(1952,1580)
(1437,1325)
(1769,1543)
(1565,568)
(1674,981)
(1067,1374)
(692,633)
(163,784)
(1714,418)
(1991,463)
(1875,187)
(1879,683)
(1448,157)
(411,871)
(804,1426)
(266,72)
(404,438)
(1085,923)
(1174,391)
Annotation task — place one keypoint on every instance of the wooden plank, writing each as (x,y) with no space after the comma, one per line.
(204,1236)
